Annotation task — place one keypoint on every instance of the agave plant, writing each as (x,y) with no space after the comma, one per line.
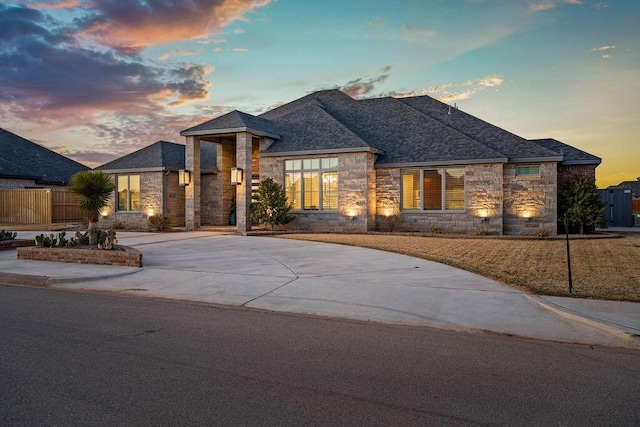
(92,190)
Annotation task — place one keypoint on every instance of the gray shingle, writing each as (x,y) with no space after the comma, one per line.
(21,158)
(162,154)
(571,154)
(233,120)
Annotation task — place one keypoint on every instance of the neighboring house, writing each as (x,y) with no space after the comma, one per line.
(147,184)
(634,186)
(25,164)
(347,164)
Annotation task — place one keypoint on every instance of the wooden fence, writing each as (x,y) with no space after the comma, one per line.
(635,206)
(38,206)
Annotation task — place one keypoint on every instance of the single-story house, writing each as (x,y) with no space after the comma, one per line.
(25,164)
(147,184)
(348,165)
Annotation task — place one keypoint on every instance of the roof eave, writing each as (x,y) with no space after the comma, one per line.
(136,170)
(582,162)
(327,151)
(536,159)
(439,163)
(225,131)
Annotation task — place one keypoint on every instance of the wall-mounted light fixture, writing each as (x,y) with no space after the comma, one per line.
(527,214)
(352,213)
(184,177)
(484,214)
(236,176)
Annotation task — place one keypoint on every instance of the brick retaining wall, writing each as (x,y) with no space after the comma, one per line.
(6,245)
(129,257)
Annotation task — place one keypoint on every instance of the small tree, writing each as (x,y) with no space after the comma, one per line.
(92,190)
(580,203)
(270,204)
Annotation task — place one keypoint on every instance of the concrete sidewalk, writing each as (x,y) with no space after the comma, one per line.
(334,280)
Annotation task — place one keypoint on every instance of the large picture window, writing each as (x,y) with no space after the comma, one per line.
(312,184)
(433,189)
(128,196)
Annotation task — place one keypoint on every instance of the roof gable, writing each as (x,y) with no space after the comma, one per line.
(21,158)
(233,121)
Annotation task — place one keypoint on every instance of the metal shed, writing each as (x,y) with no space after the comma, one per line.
(618,208)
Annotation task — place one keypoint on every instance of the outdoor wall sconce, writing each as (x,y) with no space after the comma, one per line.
(527,215)
(351,213)
(484,214)
(236,176)
(184,177)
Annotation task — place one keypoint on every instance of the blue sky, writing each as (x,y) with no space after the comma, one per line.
(98,79)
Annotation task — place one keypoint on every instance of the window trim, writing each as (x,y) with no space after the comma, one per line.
(518,173)
(117,201)
(443,189)
(320,171)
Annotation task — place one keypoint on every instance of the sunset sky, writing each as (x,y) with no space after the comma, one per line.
(98,79)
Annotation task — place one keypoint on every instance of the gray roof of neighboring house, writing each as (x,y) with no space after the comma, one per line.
(404,131)
(162,155)
(21,158)
(571,155)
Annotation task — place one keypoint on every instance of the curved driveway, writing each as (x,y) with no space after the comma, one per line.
(324,279)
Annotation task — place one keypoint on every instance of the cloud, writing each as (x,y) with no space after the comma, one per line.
(600,5)
(46,76)
(603,48)
(450,92)
(550,4)
(178,53)
(417,34)
(363,86)
(131,26)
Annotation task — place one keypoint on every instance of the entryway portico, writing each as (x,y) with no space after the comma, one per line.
(239,138)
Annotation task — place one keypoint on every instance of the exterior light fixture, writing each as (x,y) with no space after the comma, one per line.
(236,176)
(184,177)
(484,214)
(527,215)
(351,213)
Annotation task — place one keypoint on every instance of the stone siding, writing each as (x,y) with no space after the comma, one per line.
(530,202)
(483,198)
(355,184)
(174,200)
(151,203)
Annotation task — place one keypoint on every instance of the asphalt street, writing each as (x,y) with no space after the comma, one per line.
(78,358)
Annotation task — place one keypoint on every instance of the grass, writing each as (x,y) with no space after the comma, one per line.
(602,268)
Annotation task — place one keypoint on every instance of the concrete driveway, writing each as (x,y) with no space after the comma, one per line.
(335,280)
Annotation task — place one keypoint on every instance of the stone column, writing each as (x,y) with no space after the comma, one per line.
(243,191)
(192,191)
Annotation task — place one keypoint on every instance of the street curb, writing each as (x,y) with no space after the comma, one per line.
(584,319)
(24,280)
(46,281)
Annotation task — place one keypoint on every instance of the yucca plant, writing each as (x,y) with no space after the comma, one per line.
(92,190)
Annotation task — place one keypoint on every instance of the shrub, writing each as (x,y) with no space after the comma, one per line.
(118,225)
(482,231)
(392,222)
(436,229)
(543,232)
(159,223)
(7,235)
(270,205)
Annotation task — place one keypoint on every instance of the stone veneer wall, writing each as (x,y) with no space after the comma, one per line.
(535,195)
(174,200)
(355,186)
(151,203)
(483,196)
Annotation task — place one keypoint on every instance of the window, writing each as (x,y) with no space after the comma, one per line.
(433,189)
(128,196)
(312,184)
(528,170)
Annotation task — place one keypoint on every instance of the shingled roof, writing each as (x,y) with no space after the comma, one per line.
(23,159)
(571,155)
(407,131)
(162,155)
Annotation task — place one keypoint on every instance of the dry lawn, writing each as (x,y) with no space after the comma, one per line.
(602,268)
